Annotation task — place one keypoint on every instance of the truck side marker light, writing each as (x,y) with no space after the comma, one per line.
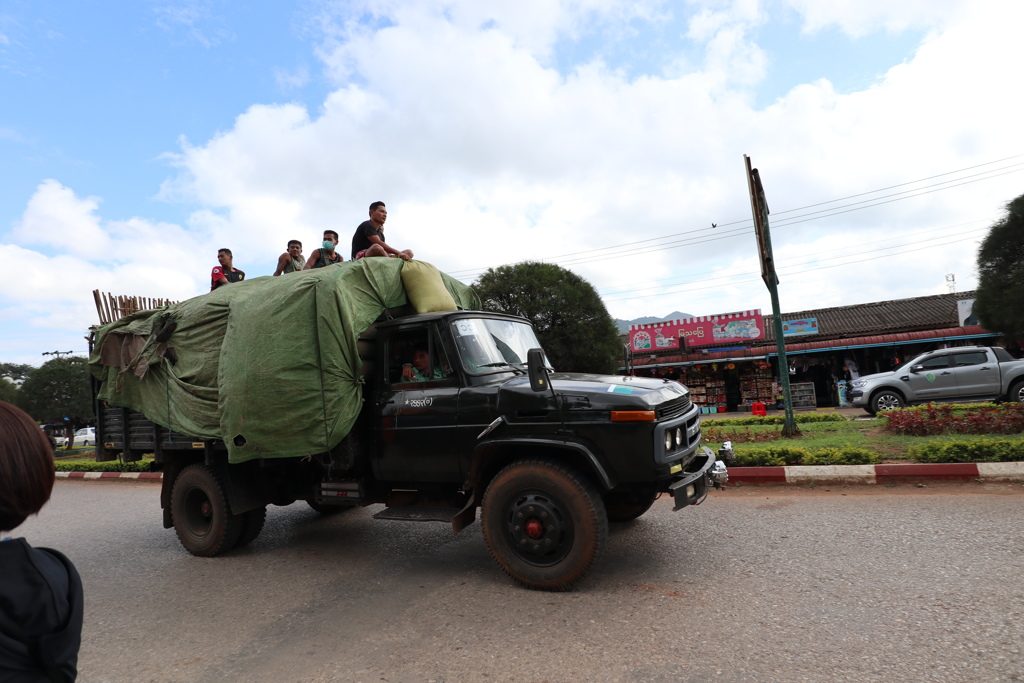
(633,416)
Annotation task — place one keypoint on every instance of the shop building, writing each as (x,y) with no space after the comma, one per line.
(730,361)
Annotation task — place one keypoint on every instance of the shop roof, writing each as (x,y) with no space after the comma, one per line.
(883,322)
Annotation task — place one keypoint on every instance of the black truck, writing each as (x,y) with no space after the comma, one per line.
(461,410)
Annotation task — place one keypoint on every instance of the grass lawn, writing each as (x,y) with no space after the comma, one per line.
(859,433)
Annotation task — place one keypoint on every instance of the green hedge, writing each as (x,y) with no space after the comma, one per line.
(980,450)
(794,455)
(778,419)
(114,466)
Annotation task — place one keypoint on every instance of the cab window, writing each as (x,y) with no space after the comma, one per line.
(415,357)
(961,360)
(935,362)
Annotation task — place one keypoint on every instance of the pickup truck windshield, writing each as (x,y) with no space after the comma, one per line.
(486,345)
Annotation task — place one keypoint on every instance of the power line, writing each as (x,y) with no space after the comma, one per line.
(668,282)
(632,249)
(792,273)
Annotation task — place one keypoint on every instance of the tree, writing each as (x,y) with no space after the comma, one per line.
(58,389)
(999,300)
(8,391)
(16,371)
(569,317)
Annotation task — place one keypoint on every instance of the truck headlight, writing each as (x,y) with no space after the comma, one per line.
(858,383)
(679,436)
(668,440)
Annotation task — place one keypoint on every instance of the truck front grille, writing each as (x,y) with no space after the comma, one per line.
(673,408)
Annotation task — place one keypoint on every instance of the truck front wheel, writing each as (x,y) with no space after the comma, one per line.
(199,509)
(544,524)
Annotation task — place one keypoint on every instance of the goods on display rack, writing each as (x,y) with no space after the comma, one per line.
(707,390)
(803,395)
(757,385)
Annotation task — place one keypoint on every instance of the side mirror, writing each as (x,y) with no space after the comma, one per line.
(917,368)
(536,369)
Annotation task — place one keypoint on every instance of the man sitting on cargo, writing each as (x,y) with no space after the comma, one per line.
(226,272)
(326,255)
(420,370)
(369,237)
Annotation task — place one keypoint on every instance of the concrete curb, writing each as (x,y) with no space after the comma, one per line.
(831,474)
(879,474)
(145,476)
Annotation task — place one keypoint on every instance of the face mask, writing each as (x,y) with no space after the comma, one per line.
(328,245)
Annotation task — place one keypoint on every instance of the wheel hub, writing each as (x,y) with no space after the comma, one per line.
(539,530)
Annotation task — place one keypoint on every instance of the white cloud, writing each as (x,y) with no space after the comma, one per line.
(488,152)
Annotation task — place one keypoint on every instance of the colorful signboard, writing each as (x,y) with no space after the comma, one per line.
(797,328)
(723,328)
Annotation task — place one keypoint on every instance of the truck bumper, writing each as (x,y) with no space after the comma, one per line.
(692,485)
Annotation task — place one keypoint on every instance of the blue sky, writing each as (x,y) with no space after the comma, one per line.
(138,137)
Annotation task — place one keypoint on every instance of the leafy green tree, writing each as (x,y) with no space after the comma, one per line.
(58,389)
(999,300)
(16,371)
(569,317)
(8,391)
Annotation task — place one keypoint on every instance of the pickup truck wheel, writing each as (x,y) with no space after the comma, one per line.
(544,524)
(199,509)
(1017,392)
(886,400)
(627,506)
(252,525)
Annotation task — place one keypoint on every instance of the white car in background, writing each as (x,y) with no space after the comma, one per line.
(83,437)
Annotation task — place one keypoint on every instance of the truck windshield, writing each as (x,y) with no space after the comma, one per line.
(487,345)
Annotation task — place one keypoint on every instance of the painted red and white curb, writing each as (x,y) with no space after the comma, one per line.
(879,474)
(145,476)
(833,474)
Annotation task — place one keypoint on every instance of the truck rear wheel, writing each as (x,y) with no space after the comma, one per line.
(199,509)
(544,524)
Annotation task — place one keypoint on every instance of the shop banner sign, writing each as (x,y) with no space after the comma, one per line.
(700,331)
(797,328)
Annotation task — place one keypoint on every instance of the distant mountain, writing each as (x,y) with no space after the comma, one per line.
(623,325)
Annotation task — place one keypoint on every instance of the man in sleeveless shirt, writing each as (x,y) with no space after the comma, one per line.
(369,237)
(226,271)
(291,260)
(327,254)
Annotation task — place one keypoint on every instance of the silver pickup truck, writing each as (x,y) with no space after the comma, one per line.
(958,375)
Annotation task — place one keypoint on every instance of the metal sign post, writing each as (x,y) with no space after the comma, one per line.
(759,206)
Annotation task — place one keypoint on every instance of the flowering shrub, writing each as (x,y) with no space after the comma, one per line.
(1006,418)
(800,418)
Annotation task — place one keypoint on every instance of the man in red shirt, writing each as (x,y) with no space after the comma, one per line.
(225,272)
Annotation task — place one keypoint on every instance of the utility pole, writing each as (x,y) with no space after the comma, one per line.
(57,353)
(759,206)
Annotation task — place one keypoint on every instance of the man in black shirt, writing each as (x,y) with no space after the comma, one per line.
(369,237)
(225,273)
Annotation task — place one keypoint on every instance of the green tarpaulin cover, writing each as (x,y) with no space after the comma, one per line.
(272,360)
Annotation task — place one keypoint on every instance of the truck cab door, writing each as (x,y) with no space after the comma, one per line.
(933,378)
(416,416)
(977,373)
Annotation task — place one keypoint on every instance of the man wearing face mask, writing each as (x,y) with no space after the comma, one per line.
(326,255)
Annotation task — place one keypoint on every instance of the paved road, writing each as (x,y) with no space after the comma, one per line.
(758,584)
